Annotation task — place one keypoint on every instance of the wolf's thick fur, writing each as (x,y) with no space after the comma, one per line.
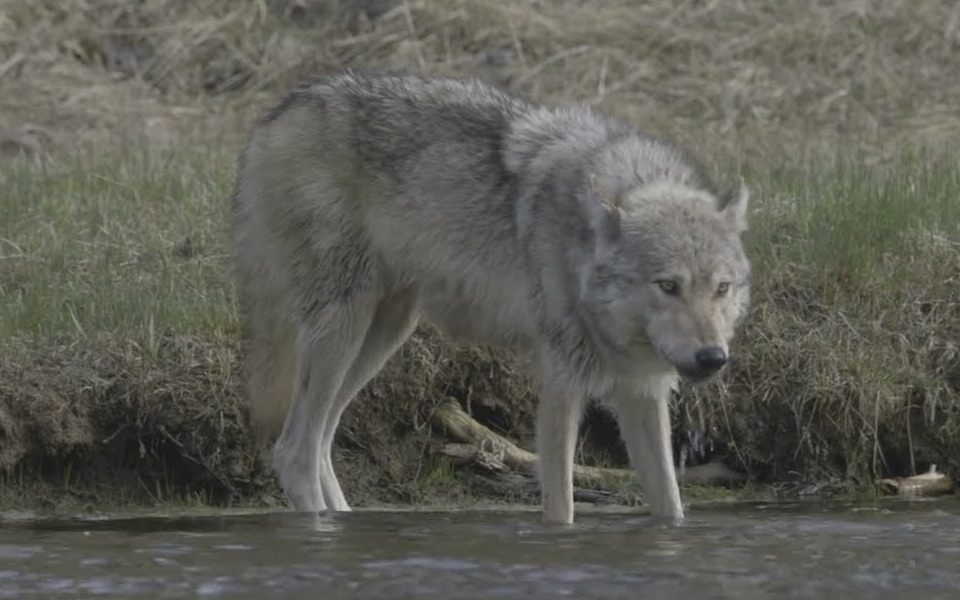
(367,202)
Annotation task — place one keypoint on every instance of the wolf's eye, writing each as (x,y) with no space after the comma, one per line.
(723,288)
(669,286)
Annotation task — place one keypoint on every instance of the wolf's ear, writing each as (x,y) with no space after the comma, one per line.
(733,206)
(603,215)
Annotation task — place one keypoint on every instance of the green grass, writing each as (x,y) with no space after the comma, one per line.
(115,243)
(126,245)
(850,228)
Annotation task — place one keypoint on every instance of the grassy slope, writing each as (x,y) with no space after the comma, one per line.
(118,244)
(117,303)
(856,321)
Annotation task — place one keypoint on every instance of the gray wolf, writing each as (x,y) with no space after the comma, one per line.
(367,202)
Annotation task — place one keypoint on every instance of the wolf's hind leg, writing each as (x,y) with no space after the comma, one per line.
(643,415)
(326,347)
(394,321)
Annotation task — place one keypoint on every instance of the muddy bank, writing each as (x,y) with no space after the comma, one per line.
(118,426)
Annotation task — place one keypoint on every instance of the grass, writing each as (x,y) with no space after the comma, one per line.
(855,325)
(758,75)
(117,312)
(126,244)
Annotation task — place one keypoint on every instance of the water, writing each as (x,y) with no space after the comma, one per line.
(902,550)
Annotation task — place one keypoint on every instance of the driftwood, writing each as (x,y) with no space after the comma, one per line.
(479,445)
(488,448)
(930,483)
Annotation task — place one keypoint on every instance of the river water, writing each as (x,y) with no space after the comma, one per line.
(897,550)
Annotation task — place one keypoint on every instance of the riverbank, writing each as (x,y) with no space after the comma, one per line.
(119,370)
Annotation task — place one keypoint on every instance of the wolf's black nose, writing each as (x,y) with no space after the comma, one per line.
(711,358)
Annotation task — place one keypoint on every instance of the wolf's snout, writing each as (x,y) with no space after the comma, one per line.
(710,359)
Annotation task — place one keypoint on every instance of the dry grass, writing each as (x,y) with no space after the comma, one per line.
(120,123)
(755,73)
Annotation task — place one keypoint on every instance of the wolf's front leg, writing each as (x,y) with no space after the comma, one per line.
(558,419)
(644,417)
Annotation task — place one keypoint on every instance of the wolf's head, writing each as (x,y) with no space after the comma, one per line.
(668,271)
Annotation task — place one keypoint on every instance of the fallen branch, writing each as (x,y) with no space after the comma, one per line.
(482,441)
(931,483)
(480,445)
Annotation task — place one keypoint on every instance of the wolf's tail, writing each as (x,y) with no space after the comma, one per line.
(270,371)
(268,332)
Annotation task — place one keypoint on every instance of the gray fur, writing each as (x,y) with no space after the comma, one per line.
(368,202)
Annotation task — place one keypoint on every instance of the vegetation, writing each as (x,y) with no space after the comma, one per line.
(121,123)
